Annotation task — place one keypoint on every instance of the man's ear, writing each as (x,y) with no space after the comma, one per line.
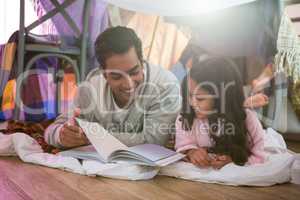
(103,71)
(104,74)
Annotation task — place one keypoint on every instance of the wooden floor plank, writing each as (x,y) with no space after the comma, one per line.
(143,189)
(284,191)
(189,189)
(215,191)
(26,181)
(35,182)
(92,187)
(9,190)
(206,190)
(294,146)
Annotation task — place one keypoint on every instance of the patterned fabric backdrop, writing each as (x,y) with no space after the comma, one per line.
(40,88)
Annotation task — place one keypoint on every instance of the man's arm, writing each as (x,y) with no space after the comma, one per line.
(65,122)
(52,132)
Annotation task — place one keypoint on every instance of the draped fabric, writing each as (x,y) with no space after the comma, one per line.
(260,40)
(98,22)
(245,30)
(288,45)
(39,90)
(176,7)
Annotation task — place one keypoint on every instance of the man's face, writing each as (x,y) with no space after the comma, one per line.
(124,73)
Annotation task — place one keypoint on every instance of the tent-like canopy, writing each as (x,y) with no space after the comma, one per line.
(176,7)
(233,28)
(215,34)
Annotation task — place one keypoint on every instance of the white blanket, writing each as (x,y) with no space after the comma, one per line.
(275,170)
(28,150)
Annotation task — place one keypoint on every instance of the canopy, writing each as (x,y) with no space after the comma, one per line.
(221,32)
(176,7)
(235,28)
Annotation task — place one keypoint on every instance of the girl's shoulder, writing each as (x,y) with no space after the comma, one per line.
(196,122)
(252,123)
(251,115)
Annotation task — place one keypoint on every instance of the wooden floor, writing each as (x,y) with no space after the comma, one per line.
(294,146)
(20,180)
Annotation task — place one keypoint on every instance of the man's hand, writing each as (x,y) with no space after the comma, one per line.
(71,135)
(198,157)
(220,161)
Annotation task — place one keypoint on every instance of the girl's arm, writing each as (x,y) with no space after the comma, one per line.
(263,79)
(256,137)
(184,140)
(256,101)
(258,97)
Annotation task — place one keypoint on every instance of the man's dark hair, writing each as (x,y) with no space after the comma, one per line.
(117,40)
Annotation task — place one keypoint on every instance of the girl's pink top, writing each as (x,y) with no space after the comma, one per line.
(198,136)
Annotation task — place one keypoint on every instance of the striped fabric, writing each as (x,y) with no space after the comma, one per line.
(7,84)
(39,89)
(288,45)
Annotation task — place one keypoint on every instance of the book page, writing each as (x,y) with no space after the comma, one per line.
(103,141)
(152,152)
(83,152)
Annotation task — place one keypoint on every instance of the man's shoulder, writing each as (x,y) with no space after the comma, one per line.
(95,76)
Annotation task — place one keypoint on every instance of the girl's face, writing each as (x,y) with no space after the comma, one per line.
(200,100)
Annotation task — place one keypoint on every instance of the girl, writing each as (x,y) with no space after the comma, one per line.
(213,128)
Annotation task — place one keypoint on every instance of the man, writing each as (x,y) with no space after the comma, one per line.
(132,100)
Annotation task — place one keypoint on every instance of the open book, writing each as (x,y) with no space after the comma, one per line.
(106,148)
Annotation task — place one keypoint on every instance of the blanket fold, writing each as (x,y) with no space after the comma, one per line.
(277,168)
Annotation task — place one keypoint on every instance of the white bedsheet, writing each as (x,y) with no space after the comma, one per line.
(28,150)
(275,170)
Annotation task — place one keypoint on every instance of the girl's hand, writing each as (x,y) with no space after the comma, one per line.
(198,157)
(256,101)
(264,78)
(220,161)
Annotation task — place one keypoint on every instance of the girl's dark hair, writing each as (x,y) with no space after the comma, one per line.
(117,40)
(190,51)
(219,76)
